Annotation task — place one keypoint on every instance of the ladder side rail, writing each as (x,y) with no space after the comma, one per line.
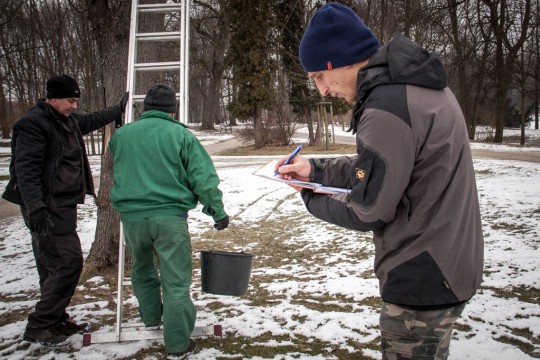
(130,86)
(120,290)
(186,66)
(182,79)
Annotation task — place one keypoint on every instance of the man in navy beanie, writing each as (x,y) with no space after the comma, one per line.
(411,183)
(49,176)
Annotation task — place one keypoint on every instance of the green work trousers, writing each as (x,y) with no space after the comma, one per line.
(168,237)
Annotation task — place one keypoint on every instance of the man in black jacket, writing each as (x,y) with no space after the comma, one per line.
(49,176)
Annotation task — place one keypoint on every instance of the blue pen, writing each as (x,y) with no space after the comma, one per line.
(294,153)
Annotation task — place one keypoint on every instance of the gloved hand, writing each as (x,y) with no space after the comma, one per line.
(40,221)
(123,102)
(122,105)
(222,223)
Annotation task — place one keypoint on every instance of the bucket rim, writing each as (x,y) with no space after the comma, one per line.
(226,253)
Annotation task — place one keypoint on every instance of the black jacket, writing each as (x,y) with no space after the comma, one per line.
(37,148)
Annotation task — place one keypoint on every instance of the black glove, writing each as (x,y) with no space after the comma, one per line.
(222,223)
(122,105)
(123,102)
(40,221)
(118,122)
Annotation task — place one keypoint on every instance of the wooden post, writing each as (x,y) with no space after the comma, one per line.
(332,121)
(323,121)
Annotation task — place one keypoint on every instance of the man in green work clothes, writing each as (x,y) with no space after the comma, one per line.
(161,171)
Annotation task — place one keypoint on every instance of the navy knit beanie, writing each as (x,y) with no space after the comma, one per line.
(336,37)
(161,97)
(62,87)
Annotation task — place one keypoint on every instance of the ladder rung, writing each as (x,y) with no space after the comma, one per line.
(173,65)
(159,8)
(140,98)
(170,35)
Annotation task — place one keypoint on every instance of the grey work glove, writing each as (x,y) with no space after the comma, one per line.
(40,221)
(222,223)
(122,105)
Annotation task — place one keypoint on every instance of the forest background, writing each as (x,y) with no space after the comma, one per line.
(244,64)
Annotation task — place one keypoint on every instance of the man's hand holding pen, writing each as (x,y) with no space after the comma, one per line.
(298,168)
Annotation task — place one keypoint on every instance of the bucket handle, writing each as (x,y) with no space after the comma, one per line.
(234,229)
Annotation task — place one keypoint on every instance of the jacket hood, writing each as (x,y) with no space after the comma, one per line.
(400,61)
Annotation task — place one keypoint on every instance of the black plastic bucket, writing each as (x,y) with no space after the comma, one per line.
(225,273)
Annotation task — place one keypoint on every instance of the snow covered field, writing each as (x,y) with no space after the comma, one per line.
(319,294)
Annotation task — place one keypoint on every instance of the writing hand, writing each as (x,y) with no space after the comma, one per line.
(299,168)
(290,158)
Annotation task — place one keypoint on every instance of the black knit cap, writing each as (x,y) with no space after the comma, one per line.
(62,86)
(336,37)
(160,97)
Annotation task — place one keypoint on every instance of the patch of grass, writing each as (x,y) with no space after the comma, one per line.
(462,327)
(105,291)
(484,172)
(526,347)
(269,345)
(514,140)
(282,150)
(20,313)
(516,228)
(522,293)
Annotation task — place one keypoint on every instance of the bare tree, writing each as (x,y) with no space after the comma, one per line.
(211,34)
(110,26)
(524,80)
(8,10)
(509,22)
(537,67)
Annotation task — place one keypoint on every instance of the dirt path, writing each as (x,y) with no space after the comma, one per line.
(507,155)
(8,209)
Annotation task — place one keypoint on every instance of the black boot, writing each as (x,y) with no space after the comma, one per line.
(184,354)
(46,337)
(68,328)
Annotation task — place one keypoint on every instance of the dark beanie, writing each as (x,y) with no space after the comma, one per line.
(62,86)
(336,37)
(160,97)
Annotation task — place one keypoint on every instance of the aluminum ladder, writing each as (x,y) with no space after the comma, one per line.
(137,331)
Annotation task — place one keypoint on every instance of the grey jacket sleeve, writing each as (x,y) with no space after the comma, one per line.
(377,176)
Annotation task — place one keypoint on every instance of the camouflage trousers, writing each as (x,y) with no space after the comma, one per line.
(413,334)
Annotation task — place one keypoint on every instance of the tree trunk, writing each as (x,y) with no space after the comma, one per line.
(463,83)
(212,114)
(501,91)
(4,122)
(537,69)
(111,28)
(505,53)
(523,111)
(258,128)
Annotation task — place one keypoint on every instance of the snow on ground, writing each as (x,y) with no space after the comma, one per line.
(500,322)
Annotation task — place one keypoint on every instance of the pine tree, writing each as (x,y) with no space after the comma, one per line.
(250,55)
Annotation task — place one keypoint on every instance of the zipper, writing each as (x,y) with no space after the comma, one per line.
(56,164)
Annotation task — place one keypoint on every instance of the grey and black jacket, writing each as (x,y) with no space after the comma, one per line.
(412,181)
(37,146)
